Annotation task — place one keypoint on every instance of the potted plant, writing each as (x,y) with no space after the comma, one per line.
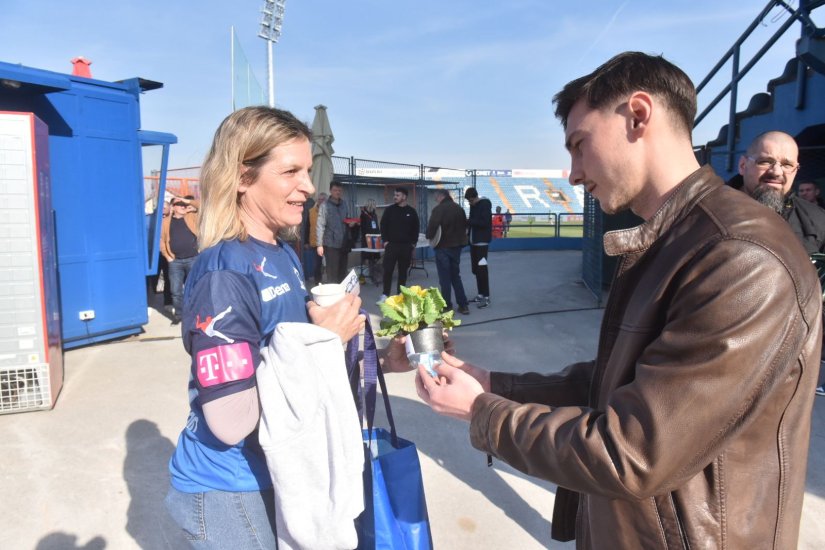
(418,313)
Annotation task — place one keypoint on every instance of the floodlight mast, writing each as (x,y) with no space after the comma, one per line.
(272,19)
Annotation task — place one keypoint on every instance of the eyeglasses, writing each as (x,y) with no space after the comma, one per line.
(767,163)
(179,204)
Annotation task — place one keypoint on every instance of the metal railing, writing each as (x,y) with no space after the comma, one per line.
(808,29)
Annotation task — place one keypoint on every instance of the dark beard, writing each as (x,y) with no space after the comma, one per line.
(770,197)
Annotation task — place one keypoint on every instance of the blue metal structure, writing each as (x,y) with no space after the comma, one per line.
(95,141)
(810,53)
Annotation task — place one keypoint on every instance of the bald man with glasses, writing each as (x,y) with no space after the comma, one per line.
(768,169)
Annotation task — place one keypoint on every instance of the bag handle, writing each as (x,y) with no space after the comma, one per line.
(373,376)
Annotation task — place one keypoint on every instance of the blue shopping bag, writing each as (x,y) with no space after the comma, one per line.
(395,508)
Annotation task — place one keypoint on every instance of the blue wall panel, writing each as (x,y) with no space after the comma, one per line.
(97,189)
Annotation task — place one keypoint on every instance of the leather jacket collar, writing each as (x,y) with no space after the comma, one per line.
(689,192)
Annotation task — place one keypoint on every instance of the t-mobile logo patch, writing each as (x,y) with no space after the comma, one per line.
(224,364)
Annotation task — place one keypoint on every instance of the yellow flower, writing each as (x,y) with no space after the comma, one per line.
(395,301)
(418,290)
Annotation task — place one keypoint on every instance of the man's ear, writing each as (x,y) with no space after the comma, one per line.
(742,161)
(640,105)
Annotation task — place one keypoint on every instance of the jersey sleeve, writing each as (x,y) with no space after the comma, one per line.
(222,333)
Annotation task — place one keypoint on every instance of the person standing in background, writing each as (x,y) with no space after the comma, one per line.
(508,219)
(399,233)
(480,233)
(809,191)
(333,233)
(312,240)
(450,219)
(369,226)
(498,224)
(179,245)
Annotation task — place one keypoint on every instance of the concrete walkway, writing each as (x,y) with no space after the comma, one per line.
(92,473)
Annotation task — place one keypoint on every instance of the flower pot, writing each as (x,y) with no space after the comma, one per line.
(424,347)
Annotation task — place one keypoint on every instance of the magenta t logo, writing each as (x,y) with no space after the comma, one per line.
(223,364)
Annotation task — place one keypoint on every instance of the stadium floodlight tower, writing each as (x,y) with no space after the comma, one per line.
(271,22)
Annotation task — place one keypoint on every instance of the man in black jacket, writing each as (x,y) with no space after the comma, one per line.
(450,219)
(768,169)
(480,232)
(399,233)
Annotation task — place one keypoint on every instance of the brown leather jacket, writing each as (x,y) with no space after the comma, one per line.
(691,428)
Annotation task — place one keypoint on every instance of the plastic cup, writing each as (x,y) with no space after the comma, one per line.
(328,294)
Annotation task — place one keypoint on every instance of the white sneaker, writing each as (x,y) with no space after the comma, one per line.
(478,298)
(382,299)
(820,390)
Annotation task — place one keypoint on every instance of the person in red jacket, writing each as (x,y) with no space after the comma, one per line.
(498,224)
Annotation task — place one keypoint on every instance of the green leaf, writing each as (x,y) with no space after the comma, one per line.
(390,313)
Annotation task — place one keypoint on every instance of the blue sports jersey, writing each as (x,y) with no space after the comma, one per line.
(236,293)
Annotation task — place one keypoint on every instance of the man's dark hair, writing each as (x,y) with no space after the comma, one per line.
(626,73)
(470,193)
(335,184)
(443,193)
(402,190)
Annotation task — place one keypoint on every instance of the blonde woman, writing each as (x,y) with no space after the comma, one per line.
(254,183)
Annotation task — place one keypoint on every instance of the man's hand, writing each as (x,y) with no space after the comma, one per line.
(341,317)
(481,375)
(320,251)
(452,394)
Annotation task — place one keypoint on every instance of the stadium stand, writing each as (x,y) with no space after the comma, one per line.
(532,195)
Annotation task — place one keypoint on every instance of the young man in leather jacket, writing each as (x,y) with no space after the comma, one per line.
(690,429)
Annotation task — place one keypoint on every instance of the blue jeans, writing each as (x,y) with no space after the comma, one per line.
(219,520)
(447,262)
(179,269)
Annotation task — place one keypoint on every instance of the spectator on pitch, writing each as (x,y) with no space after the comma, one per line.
(179,245)
(480,232)
(809,191)
(450,219)
(691,427)
(768,169)
(333,233)
(399,233)
(498,224)
(508,219)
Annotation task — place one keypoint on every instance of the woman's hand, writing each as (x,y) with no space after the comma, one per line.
(342,317)
(394,356)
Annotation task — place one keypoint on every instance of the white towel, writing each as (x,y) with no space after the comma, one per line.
(311,436)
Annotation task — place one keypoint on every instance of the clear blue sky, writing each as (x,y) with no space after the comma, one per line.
(455,83)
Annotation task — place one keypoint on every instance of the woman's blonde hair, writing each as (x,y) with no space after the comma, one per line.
(370,205)
(243,140)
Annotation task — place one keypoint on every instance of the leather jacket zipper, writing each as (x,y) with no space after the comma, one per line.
(677,513)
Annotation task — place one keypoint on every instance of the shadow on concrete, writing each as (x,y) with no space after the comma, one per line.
(146,473)
(65,541)
(446,441)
